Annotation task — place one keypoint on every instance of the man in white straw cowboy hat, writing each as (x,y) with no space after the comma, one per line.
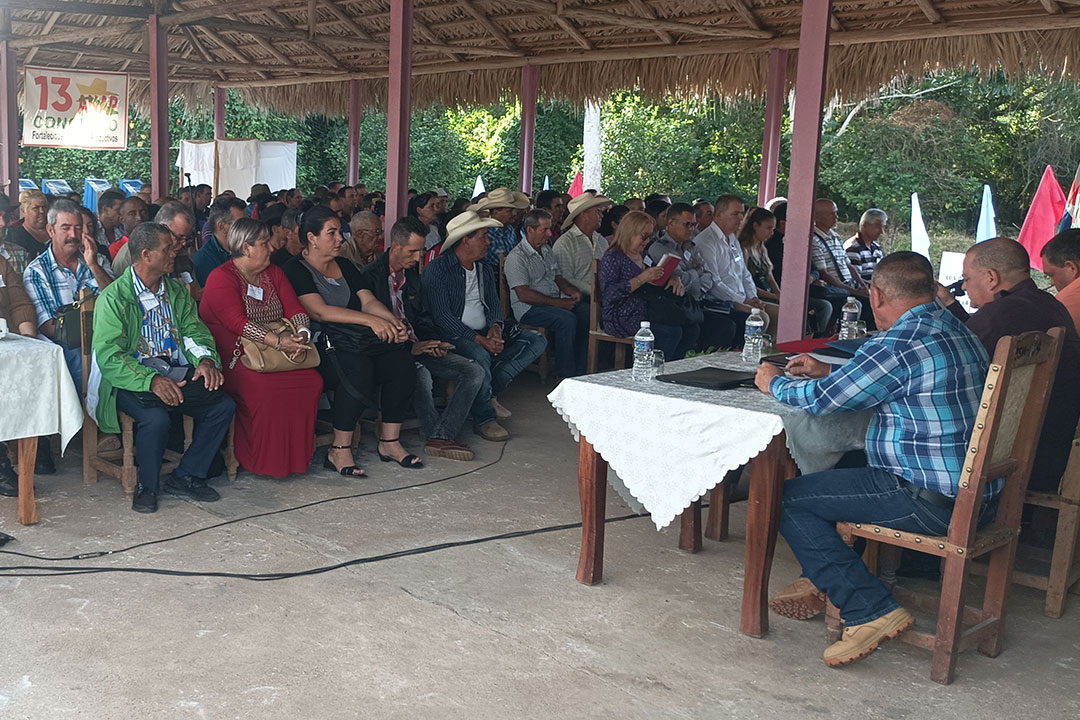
(508,207)
(463,295)
(580,244)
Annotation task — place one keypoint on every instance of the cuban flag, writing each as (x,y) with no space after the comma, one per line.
(1071,217)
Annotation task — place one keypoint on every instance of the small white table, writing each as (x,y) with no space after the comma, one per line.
(37,398)
(672,444)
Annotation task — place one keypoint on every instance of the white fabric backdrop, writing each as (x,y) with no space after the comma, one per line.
(241,164)
(238,161)
(197,157)
(277,165)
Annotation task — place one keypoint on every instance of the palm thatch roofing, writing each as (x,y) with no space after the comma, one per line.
(297,56)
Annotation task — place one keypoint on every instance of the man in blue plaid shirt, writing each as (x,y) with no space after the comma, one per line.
(923,375)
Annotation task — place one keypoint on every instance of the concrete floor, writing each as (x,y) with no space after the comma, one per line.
(496,630)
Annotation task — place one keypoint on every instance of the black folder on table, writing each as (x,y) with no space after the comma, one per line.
(711,378)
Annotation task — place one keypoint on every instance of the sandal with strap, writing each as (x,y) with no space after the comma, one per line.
(350,471)
(412,462)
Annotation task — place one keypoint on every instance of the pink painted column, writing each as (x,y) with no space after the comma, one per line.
(220,95)
(802,183)
(159,107)
(9,122)
(355,114)
(775,95)
(398,112)
(530,86)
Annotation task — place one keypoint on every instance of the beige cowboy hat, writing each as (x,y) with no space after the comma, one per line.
(464,224)
(502,198)
(584,201)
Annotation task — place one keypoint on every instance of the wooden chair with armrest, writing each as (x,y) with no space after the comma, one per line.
(622,345)
(120,462)
(1007,426)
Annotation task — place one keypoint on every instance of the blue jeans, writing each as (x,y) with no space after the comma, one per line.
(500,369)
(570,329)
(675,341)
(812,506)
(467,375)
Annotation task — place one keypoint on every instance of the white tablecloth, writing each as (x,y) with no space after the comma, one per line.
(37,394)
(671,444)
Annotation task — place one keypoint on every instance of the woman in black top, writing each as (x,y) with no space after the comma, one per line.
(362,344)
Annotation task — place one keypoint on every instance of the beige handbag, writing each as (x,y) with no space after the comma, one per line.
(265,359)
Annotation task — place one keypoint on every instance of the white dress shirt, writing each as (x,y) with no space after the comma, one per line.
(722,257)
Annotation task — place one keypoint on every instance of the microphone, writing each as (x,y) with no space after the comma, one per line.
(957,288)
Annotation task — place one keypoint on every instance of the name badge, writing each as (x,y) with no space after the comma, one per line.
(148,301)
(186,277)
(2,284)
(255,292)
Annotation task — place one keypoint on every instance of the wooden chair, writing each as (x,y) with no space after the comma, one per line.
(622,345)
(542,366)
(1007,427)
(120,463)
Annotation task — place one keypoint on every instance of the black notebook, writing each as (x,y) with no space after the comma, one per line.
(711,378)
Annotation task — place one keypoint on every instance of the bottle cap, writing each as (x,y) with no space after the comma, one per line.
(645,323)
(851,298)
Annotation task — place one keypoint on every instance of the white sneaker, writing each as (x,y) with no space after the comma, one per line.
(501,413)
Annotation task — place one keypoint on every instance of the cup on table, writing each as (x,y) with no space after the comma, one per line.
(657,363)
(860,329)
(766,344)
(3,328)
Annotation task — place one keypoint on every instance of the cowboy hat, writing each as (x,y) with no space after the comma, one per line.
(503,198)
(464,224)
(584,201)
(258,189)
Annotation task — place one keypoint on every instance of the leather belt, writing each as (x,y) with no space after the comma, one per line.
(930,496)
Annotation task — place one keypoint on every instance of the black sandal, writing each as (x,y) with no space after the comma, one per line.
(410,462)
(350,471)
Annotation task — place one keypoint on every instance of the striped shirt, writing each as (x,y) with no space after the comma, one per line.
(924,376)
(827,254)
(50,285)
(159,334)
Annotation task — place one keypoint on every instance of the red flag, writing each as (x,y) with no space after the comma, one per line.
(577,187)
(1043,216)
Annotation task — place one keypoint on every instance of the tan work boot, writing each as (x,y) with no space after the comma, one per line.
(501,413)
(799,601)
(449,449)
(861,640)
(493,431)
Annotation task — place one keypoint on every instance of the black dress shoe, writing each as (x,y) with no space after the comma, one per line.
(9,485)
(44,465)
(192,487)
(144,501)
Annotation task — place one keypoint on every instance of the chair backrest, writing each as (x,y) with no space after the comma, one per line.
(87,302)
(504,289)
(1007,429)
(594,298)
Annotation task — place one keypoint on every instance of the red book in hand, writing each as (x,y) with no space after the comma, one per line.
(669,262)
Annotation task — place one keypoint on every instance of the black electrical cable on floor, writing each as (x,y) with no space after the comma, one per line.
(384,491)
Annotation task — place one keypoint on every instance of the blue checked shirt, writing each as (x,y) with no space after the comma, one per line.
(158,328)
(501,241)
(925,376)
(50,285)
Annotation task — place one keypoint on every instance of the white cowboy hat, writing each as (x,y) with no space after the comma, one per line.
(464,224)
(502,198)
(584,201)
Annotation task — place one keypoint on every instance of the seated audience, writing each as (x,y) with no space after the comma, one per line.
(425,208)
(552,202)
(362,345)
(542,297)
(275,412)
(463,295)
(394,279)
(366,240)
(18,311)
(110,236)
(153,356)
(1061,261)
(757,226)
(612,217)
(837,279)
(503,205)
(703,217)
(634,203)
(292,247)
(775,244)
(733,289)
(580,243)
(658,211)
(863,249)
(132,212)
(215,252)
(622,273)
(32,236)
(997,279)
(924,364)
(10,250)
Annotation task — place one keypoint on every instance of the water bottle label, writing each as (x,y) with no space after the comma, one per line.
(755,330)
(643,346)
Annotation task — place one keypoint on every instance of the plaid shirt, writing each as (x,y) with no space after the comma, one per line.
(924,376)
(864,257)
(501,241)
(14,254)
(50,285)
(827,253)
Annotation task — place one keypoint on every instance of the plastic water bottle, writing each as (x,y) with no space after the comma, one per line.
(643,353)
(755,328)
(849,317)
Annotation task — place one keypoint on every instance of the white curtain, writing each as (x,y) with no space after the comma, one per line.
(196,157)
(240,164)
(237,160)
(277,165)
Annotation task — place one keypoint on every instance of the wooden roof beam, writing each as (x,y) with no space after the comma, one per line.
(1051,7)
(932,14)
(612,19)
(426,33)
(50,23)
(345,19)
(64,35)
(484,21)
(316,46)
(575,35)
(744,11)
(198,47)
(75,7)
(646,11)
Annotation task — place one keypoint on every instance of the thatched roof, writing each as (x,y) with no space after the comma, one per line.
(471,51)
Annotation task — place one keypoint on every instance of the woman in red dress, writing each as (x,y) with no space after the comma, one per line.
(275,412)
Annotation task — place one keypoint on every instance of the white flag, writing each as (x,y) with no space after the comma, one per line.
(478,188)
(987,227)
(920,239)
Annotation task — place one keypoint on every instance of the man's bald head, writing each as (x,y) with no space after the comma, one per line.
(825,215)
(905,276)
(1004,255)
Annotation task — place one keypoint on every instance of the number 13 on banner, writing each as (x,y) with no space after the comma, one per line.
(63,102)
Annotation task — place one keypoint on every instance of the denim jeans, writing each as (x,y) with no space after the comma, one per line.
(570,330)
(500,369)
(212,417)
(812,506)
(467,375)
(674,340)
(73,357)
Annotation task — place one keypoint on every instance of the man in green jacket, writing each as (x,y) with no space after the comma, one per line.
(152,356)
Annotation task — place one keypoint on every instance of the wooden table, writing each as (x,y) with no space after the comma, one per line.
(768,471)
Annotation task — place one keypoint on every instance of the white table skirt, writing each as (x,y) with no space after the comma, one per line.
(37,394)
(671,444)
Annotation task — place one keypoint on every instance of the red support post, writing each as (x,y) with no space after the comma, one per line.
(9,121)
(398,111)
(159,106)
(530,87)
(355,115)
(220,95)
(775,95)
(802,180)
